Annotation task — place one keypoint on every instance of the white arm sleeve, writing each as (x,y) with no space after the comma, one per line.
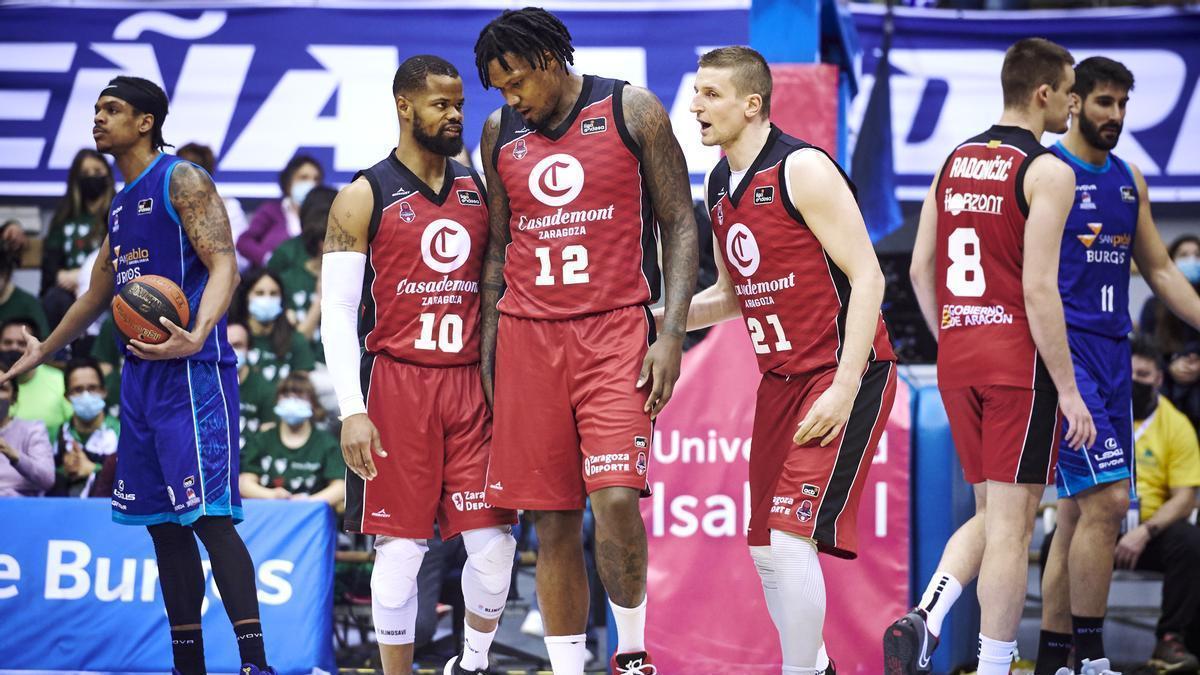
(341,295)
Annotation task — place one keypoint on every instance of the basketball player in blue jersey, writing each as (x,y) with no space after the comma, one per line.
(179,399)
(1109,223)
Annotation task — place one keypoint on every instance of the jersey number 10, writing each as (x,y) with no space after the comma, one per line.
(449,333)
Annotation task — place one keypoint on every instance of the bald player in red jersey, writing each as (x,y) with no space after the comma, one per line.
(795,260)
(579,170)
(985,270)
(403,252)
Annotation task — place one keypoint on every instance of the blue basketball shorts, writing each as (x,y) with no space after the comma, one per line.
(1104,376)
(177,455)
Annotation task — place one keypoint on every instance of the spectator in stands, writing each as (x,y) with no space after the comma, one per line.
(256,395)
(1168,473)
(294,459)
(108,355)
(12,236)
(15,302)
(43,388)
(26,458)
(202,156)
(76,231)
(1182,381)
(276,348)
(89,439)
(276,221)
(1168,330)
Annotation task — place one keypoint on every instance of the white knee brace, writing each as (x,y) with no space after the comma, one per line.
(394,589)
(488,570)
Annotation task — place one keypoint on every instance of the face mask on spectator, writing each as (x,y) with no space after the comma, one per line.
(293,411)
(265,308)
(92,186)
(87,405)
(300,190)
(1145,400)
(1190,266)
(241,357)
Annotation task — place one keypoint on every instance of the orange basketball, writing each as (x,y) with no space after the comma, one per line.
(142,302)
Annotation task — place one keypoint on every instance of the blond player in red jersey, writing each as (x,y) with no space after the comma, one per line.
(403,252)
(579,170)
(985,271)
(795,260)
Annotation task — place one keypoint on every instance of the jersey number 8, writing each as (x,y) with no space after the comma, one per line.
(964,277)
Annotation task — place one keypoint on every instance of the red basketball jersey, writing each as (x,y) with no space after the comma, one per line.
(424,260)
(983,331)
(582,226)
(792,295)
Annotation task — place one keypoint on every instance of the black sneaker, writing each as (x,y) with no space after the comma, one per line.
(452,668)
(908,646)
(831,669)
(632,663)
(1170,656)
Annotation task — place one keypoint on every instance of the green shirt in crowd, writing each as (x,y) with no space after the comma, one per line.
(257,399)
(72,239)
(299,285)
(105,350)
(42,399)
(304,470)
(21,305)
(262,357)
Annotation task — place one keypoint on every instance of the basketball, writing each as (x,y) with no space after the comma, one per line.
(142,302)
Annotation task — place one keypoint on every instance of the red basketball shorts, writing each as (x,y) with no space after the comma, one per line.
(435,427)
(568,417)
(809,490)
(1006,434)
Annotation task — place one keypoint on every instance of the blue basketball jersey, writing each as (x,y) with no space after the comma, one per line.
(1093,276)
(145,236)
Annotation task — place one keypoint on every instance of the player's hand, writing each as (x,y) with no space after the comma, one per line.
(30,359)
(488,381)
(1081,430)
(661,368)
(1130,547)
(181,344)
(827,415)
(360,439)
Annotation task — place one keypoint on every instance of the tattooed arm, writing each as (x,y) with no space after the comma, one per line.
(491,286)
(667,179)
(203,218)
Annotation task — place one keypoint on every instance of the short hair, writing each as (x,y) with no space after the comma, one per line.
(1144,346)
(155,92)
(293,165)
(531,33)
(299,383)
(412,75)
(314,217)
(1097,70)
(25,321)
(751,73)
(1029,64)
(1178,243)
(203,154)
(81,363)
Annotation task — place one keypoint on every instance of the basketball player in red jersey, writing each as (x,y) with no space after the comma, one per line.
(794,258)
(417,221)
(985,271)
(579,170)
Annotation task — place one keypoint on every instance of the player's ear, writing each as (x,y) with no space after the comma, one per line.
(146,123)
(1076,104)
(753,105)
(404,108)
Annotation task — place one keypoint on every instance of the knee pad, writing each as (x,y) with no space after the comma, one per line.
(488,571)
(394,589)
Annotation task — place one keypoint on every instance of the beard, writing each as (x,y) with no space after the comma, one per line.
(1092,134)
(447,146)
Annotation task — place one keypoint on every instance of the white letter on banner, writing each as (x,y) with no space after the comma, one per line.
(27,57)
(123,591)
(10,570)
(56,569)
(290,118)
(207,93)
(1184,158)
(656,509)
(207,567)
(149,580)
(721,521)
(272,575)
(75,129)
(687,523)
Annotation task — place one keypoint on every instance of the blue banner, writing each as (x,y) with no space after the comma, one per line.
(258,84)
(79,592)
(945,83)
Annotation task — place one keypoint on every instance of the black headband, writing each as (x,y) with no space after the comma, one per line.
(138,97)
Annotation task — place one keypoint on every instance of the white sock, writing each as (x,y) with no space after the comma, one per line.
(568,653)
(940,596)
(995,657)
(765,564)
(475,648)
(802,587)
(631,627)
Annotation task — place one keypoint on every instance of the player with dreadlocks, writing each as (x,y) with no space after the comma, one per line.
(579,168)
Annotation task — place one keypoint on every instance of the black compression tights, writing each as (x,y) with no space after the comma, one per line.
(182,577)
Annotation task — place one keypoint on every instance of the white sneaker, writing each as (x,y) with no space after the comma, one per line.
(1097,667)
(532,625)
(1064,671)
